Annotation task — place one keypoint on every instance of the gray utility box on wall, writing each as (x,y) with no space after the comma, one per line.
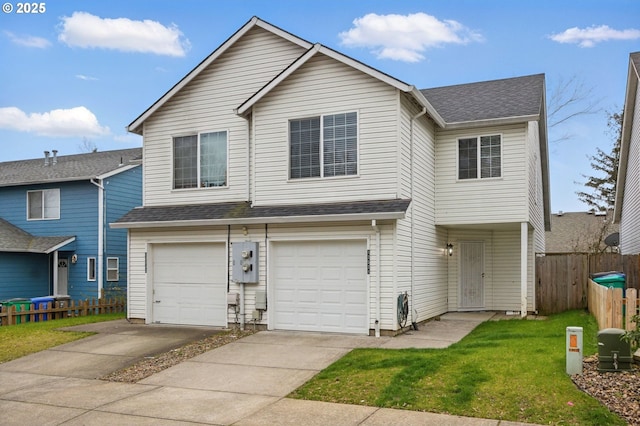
(614,354)
(245,262)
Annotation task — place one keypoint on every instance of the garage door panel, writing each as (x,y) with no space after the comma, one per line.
(189,283)
(320,286)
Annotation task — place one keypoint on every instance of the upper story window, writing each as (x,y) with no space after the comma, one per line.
(480,157)
(324,146)
(43,205)
(200,161)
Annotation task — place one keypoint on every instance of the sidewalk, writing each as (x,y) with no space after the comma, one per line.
(241,383)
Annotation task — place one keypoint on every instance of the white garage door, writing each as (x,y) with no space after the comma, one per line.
(320,286)
(189,284)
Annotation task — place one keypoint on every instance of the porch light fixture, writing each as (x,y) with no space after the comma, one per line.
(450,249)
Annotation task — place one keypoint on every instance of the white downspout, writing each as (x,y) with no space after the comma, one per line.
(411,143)
(98,182)
(524,259)
(378,279)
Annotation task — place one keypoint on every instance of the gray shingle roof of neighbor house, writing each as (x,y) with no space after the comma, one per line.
(243,212)
(517,97)
(67,167)
(14,239)
(579,232)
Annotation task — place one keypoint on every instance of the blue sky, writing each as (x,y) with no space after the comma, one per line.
(78,72)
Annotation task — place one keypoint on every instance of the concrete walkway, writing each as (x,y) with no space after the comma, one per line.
(241,383)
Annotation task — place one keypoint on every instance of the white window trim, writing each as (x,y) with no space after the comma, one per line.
(322,176)
(173,169)
(479,158)
(89,269)
(117,268)
(42,191)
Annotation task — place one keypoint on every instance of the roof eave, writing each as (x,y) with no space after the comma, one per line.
(136,126)
(60,245)
(491,122)
(625,142)
(260,220)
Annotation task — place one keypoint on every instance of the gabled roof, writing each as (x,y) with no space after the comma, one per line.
(136,125)
(244,213)
(14,239)
(579,232)
(69,167)
(320,49)
(627,124)
(519,98)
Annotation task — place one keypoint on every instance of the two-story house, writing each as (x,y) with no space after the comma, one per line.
(627,206)
(320,190)
(54,215)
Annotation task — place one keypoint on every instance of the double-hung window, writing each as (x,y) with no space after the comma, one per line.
(480,157)
(200,161)
(113,268)
(323,146)
(43,205)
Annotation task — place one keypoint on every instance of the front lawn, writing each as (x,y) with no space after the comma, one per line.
(23,339)
(508,370)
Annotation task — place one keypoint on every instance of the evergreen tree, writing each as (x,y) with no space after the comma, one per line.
(601,189)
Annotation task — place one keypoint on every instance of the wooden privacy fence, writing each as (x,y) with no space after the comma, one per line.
(561,278)
(22,312)
(612,308)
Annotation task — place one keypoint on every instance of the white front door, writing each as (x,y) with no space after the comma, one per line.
(320,286)
(63,275)
(471,275)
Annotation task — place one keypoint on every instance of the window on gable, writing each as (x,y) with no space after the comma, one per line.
(200,161)
(43,205)
(484,161)
(324,146)
(113,268)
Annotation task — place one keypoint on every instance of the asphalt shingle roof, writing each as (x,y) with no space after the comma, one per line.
(510,97)
(243,210)
(67,167)
(578,232)
(14,239)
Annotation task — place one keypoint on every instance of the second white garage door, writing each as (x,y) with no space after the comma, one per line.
(189,284)
(320,286)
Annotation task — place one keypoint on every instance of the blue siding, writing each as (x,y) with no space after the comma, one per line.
(78,217)
(24,275)
(123,192)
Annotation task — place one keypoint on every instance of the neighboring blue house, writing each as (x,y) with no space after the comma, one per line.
(54,216)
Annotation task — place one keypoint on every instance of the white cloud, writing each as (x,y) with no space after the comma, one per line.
(28,41)
(405,37)
(78,121)
(85,77)
(588,37)
(87,31)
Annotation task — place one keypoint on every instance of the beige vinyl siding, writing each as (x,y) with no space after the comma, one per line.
(424,278)
(536,202)
(474,201)
(207,104)
(325,86)
(630,219)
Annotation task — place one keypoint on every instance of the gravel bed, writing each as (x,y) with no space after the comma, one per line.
(619,391)
(154,364)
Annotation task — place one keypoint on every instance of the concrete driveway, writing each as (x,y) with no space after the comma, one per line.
(241,383)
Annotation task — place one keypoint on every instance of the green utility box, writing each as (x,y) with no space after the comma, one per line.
(614,354)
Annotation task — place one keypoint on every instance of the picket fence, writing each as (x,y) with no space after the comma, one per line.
(27,312)
(610,308)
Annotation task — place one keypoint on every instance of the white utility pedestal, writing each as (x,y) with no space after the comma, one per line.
(574,350)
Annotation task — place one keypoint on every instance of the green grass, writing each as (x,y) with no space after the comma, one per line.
(508,370)
(23,339)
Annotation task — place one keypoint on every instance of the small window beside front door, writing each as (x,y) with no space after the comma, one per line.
(91,268)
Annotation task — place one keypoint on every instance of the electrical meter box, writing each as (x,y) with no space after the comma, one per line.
(614,354)
(245,262)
